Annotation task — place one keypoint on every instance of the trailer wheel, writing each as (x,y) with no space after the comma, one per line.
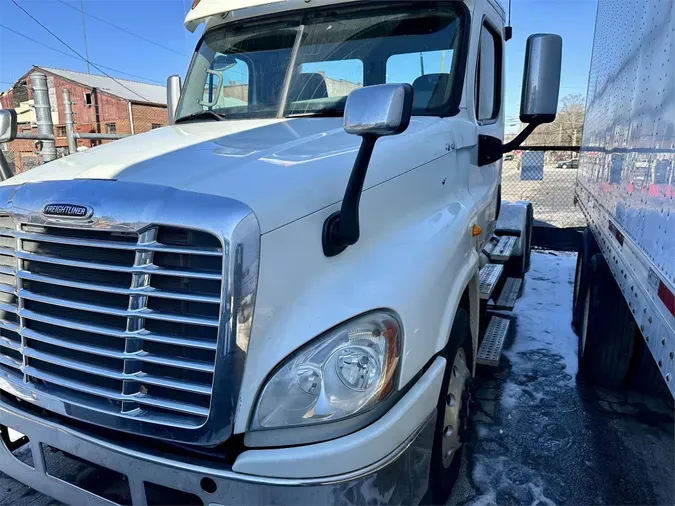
(607,328)
(452,412)
(587,248)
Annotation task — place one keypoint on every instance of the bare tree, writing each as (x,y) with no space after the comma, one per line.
(567,127)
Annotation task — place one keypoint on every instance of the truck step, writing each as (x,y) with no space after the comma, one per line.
(489,277)
(490,349)
(509,295)
(504,248)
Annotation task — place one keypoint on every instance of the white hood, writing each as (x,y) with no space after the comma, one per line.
(282,169)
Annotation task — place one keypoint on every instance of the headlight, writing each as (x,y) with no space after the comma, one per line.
(342,373)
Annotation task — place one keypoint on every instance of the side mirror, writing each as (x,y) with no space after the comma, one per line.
(539,100)
(380,110)
(173,89)
(7,125)
(371,112)
(541,78)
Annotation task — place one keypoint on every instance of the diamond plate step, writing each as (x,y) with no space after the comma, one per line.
(489,277)
(509,295)
(502,252)
(491,348)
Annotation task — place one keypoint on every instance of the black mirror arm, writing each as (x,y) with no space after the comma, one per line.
(491,149)
(341,229)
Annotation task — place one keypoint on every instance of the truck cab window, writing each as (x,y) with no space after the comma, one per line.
(227,84)
(427,71)
(324,80)
(307,64)
(489,75)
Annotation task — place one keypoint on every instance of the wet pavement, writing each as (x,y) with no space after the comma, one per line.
(540,436)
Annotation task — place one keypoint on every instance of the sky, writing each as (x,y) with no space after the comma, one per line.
(148,41)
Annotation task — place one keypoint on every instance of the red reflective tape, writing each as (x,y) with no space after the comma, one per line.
(667,297)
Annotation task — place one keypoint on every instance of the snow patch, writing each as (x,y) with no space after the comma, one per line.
(544,312)
(500,478)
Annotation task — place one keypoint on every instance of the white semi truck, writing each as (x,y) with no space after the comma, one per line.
(624,293)
(278,298)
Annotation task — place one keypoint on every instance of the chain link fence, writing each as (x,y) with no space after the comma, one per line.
(546,176)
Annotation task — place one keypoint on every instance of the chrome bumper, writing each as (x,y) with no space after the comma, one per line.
(400,478)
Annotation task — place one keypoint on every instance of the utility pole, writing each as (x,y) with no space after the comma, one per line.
(442,61)
(84,31)
(421,64)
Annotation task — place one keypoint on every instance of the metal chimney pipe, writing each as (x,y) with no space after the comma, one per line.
(43,114)
(70,126)
(173,88)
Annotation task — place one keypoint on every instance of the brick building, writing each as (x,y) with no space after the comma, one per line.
(100,104)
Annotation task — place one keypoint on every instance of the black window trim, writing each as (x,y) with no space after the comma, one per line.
(452,108)
(499,56)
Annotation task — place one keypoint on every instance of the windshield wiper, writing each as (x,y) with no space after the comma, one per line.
(202,115)
(325,113)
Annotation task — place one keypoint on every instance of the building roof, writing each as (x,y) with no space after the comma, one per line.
(132,91)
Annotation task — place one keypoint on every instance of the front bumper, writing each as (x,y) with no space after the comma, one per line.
(400,478)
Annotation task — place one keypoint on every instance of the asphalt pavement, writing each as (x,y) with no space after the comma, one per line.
(540,435)
(552,197)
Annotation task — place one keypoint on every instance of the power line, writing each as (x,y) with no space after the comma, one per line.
(78,54)
(74,57)
(141,37)
(84,32)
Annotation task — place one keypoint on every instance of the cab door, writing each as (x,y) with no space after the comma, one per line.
(484,181)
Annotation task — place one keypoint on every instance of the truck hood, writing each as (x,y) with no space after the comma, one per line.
(282,169)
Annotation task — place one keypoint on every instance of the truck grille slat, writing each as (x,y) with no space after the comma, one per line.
(12,345)
(7,289)
(121,322)
(4,269)
(117,245)
(145,400)
(121,355)
(96,329)
(5,359)
(85,369)
(147,269)
(149,291)
(140,313)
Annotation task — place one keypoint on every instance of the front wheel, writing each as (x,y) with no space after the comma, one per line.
(452,411)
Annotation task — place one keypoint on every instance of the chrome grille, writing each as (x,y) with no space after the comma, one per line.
(120,322)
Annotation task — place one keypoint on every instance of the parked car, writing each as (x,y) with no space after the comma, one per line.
(568,164)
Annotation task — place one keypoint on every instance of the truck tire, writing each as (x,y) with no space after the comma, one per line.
(587,248)
(607,328)
(529,225)
(519,265)
(452,411)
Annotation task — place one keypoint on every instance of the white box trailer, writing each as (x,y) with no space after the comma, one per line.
(626,186)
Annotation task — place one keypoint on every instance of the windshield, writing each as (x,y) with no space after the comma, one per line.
(308,64)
